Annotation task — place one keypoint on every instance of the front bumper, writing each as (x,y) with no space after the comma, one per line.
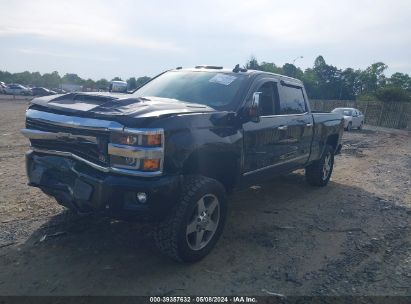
(78,186)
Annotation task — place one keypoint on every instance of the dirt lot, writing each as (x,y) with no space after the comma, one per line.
(352,237)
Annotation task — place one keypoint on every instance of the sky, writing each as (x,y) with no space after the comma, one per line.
(125,38)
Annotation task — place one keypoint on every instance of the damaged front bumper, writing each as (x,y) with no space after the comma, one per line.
(80,187)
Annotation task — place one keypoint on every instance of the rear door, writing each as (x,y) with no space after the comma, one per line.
(295,114)
(361,117)
(355,118)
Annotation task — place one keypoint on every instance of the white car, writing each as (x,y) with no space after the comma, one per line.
(118,86)
(353,118)
(2,88)
(17,89)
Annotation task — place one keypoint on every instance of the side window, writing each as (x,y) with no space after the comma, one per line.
(267,98)
(291,100)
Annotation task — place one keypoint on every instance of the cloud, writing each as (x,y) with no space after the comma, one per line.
(74,22)
(154,35)
(65,55)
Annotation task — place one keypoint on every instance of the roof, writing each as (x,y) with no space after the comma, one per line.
(243,72)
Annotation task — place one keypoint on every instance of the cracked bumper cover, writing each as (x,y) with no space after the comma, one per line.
(78,186)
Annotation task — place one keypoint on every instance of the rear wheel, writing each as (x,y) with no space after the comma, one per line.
(196,222)
(319,172)
(361,125)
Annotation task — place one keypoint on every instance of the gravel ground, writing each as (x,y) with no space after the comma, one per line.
(349,238)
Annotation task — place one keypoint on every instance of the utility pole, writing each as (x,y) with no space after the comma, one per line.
(299,57)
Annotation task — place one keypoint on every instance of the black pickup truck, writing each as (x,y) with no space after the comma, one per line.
(174,148)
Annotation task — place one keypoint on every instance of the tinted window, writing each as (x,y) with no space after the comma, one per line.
(267,98)
(344,112)
(291,100)
(208,88)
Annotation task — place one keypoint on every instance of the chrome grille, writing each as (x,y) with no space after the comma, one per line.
(70,140)
(87,140)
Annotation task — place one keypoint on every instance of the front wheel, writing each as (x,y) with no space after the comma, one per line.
(349,127)
(319,172)
(196,222)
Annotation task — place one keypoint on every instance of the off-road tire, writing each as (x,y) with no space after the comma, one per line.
(314,173)
(170,234)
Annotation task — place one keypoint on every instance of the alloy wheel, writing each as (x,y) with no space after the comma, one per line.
(203,222)
(327,166)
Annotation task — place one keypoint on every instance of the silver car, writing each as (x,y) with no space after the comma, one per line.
(353,118)
(17,89)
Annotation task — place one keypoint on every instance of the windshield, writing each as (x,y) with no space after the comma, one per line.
(344,112)
(213,89)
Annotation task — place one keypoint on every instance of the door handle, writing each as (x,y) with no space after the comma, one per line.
(309,125)
(283,128)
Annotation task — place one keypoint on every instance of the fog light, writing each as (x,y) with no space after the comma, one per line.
(142,197)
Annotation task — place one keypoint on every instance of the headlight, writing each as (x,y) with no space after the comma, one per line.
(143,140)
(137,149)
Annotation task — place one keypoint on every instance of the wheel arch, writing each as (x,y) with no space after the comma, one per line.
(332,140)
(221,166)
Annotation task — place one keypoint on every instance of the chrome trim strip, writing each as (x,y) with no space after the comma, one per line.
(74,121)
(37,134)
(135,152)
(69,154)
(282,115)
(98,167)
(275,165)
(148,131)
(135,173)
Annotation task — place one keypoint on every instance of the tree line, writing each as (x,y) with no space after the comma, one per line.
(324,81)
(54,80)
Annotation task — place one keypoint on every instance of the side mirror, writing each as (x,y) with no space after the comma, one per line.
(254,110)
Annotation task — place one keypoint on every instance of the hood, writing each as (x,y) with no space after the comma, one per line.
(108,104)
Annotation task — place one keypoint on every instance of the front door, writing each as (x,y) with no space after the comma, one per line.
(262,147)
(281,140)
